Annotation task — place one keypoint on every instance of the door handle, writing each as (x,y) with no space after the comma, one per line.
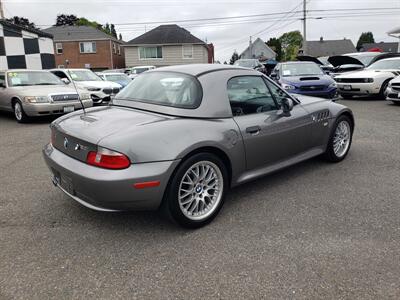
(253,129)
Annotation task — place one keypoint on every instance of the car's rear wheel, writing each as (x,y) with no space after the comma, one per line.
(340,140)
(396,103)
(196,192)
(19,113)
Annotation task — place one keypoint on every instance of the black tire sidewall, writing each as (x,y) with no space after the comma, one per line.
(330,153)
(171,200)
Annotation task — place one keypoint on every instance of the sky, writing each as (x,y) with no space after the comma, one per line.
(275,17)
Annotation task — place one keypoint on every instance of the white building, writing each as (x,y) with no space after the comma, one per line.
(258,49)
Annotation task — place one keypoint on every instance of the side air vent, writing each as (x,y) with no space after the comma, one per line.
(323,115)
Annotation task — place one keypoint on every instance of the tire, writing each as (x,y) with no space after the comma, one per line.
(187,193)
(384,86)
(333,152)
(19,112)
(396,103)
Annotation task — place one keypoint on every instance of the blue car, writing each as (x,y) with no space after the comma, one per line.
(305,78)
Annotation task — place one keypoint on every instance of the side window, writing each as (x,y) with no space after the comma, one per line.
(2,80)
(276,91)
(60,74)
(249,95)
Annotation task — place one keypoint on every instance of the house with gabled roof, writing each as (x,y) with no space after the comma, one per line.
(86,47)
(258,49)
(167,45)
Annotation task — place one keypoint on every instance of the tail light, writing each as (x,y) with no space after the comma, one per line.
(108,159)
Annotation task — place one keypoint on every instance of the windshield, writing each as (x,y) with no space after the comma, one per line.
(365,59)
(301,69)
(84,75)
(385,64)
(246,63)
(118,78)
(164,88)
(22,78)
(139,70)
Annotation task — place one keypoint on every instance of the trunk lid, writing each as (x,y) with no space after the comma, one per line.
(76,134)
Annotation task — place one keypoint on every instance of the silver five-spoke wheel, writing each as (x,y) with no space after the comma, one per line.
(200,190)
(341,139)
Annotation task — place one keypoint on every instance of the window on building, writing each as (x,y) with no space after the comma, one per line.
(119,49)
(87,47)
(150,52)
(59,48)
(115,48)
(187,51)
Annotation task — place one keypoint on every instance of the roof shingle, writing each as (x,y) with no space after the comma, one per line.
(330,47)
(166,34)
(78,33)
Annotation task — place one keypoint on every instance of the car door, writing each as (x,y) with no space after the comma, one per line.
(268,137)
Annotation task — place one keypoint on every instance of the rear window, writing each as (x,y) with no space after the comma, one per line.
(164,88)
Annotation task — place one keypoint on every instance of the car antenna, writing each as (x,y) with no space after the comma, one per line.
(76,90)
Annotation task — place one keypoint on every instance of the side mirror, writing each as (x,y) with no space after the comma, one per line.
(286,106)
(65,80)
(274,76)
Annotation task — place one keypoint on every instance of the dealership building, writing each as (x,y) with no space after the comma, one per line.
(25,48)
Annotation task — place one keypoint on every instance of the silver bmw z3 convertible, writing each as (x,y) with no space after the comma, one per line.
(177,138)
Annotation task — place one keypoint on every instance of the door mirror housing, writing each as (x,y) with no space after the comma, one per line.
(65,80)
(286,106)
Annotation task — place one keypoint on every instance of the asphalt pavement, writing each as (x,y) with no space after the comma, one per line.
(315,230)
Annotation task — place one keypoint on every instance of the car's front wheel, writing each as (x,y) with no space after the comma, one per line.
(340,140)
(19,112)
(196,192)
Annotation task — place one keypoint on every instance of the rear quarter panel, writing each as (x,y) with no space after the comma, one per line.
(177,138)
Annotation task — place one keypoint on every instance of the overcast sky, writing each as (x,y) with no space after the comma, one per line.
(226,37)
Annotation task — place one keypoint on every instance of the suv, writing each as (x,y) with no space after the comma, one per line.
(135,71)
(31,93)
(100,90)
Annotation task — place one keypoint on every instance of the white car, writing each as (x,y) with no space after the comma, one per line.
(393,91)
(100,90)
(371,81)
(135,71)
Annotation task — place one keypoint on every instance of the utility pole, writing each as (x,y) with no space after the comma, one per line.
(250,48)
(1,10)
(304,27)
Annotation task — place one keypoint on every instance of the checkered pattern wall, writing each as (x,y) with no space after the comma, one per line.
(20,49)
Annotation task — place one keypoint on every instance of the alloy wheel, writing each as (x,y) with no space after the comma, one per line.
(200,190)
(341,139)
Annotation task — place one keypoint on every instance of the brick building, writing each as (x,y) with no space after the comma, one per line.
(86,47)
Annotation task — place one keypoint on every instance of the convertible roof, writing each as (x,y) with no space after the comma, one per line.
(199,69)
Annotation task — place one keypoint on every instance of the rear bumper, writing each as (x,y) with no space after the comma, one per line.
(109,190)
(42,109)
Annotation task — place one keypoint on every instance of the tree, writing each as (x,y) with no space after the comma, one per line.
(120,37)
(365,37)
(225,63)
(66,20)
(235,57)
(107,29)
(291,43)
(112,30)
(22,22)
(275,44)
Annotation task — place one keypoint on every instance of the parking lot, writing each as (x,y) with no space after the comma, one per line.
(315,230)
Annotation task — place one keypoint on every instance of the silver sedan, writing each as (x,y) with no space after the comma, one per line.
(178,138)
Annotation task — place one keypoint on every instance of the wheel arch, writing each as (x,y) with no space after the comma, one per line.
(14,99)
(216,151)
